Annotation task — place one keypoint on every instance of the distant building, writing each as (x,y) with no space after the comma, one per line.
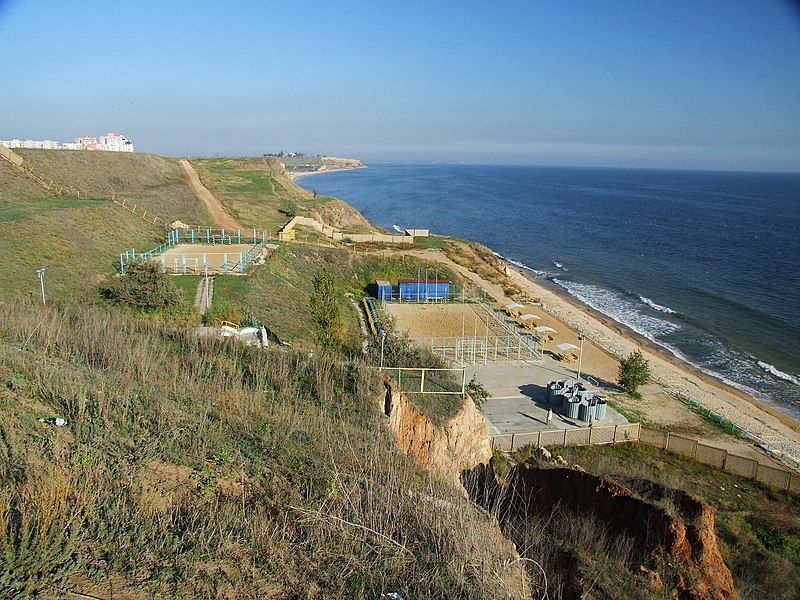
(36,144)
(86,142)
(111,142)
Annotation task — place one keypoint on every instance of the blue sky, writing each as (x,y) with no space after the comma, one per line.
(668,84)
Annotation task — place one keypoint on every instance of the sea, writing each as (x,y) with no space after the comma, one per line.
(704,263)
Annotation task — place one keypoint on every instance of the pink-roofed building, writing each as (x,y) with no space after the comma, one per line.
(114,142)
(87,142)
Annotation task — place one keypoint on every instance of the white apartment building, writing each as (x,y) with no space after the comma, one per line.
(36,144)
(111,142)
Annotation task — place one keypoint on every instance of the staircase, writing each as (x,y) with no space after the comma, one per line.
(205,294)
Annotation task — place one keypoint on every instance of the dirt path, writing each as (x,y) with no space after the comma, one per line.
(215,209)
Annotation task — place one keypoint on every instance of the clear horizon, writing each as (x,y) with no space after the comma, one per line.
(709,86)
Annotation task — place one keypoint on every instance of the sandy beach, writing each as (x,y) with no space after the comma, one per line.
(606,340)
(295,175)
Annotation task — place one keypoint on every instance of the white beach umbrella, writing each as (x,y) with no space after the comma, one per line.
(544,329)
(513,305)
(529,316)
(567,346)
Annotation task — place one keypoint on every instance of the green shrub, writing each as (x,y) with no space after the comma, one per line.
(145,287)
(222,311)
(325,311)
(634,370)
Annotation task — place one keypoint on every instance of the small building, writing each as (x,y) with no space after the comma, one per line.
(384,290)
(415,289)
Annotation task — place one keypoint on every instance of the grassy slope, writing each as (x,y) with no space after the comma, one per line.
(205,469)
(254,190)
(78,241)
(758,527)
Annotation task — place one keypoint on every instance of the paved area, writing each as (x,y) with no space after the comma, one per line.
(519,397)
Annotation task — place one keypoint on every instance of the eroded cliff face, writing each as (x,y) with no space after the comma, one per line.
(335,162)
(682,549)
(459,445)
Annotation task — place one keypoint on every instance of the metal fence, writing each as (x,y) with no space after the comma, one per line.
(198,263)
(783,450)
(424,380)
(720,458)
(687,447)
(579,436)
(483,349)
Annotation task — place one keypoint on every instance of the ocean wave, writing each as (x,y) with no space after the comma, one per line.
(558,265)
(620,308)
(778,373)
(397,228)
(538,272)
(655,306)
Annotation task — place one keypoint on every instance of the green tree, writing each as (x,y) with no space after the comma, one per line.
(477,392)
(325,311)
(634,370)
(145,287)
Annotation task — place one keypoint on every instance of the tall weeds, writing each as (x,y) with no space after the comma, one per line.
(198,467)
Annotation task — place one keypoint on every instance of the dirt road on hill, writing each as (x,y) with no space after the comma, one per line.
(215,209)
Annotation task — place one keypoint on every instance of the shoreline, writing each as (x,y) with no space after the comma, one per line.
(654,347)
(298,174)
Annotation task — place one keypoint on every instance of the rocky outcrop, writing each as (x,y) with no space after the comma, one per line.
(334,162)
(459,445)
(686,542)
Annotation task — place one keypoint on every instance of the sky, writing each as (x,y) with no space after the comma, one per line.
(646,84)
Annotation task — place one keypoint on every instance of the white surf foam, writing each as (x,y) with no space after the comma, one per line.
(521,265)
(619,308)
(778,373)
(558,265)
(397,228)
(655,306)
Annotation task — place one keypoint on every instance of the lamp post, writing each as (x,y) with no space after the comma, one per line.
(40,273)
(580,356)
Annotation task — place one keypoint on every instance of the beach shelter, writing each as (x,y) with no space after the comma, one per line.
(512,308)
(529,316)
(546,329)
(567,348)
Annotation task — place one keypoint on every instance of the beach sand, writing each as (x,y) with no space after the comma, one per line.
(607,339)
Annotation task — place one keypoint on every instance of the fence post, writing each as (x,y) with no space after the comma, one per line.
(511,449)
(564,443)
(755,470)
(590,436)
(666,442)
(538,439)
(422,381)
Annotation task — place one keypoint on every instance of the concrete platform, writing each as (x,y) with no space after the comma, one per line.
(519,397)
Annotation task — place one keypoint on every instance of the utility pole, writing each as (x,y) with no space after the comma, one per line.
(580,355)
(40,273)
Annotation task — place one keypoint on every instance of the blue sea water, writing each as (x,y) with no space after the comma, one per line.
(704,263)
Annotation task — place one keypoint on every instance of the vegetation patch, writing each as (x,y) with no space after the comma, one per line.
(758,527)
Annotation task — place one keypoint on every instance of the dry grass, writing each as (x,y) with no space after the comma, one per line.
(273,473)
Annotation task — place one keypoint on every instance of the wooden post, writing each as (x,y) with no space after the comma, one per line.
(511,449)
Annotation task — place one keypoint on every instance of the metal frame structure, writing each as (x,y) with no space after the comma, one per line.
(202,235)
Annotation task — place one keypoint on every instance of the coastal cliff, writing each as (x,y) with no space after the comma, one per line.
(672,532)
(460,444)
